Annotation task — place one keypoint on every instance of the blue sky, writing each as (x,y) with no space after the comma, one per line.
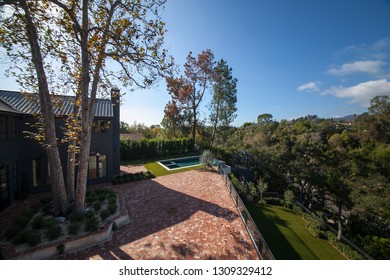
(291,58)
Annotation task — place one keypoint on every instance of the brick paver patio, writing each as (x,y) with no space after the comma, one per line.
(187,215)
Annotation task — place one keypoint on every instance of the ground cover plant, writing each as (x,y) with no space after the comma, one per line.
(130,177)
(37,224)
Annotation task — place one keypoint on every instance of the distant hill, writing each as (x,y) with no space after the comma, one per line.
(349,118)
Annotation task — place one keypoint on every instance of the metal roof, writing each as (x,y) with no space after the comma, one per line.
(26,103)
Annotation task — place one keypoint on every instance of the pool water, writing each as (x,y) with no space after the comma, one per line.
(176,163)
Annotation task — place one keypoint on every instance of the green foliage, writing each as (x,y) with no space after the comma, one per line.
(207,158)
(135,150)
(130,177)
(74,228)
(289,198)
(105,214)
(91,223)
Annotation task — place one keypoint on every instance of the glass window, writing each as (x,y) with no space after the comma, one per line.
(37,172)
(41,172)
(3,183)
(92,167)
(3,128)
(97,166)
(102,166)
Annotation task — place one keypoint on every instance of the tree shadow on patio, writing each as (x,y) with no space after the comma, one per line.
(156,215)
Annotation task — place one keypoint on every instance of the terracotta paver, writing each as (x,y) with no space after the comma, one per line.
(188,215)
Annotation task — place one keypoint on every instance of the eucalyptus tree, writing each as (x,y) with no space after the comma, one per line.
(83,47)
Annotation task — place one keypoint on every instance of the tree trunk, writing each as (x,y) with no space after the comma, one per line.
(215,123)
(61,205)
(194,124)
(339,223)
(85,134)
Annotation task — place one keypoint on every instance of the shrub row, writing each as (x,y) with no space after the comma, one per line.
(132,177)
(141,149)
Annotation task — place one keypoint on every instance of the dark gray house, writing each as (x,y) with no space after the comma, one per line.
(24,167)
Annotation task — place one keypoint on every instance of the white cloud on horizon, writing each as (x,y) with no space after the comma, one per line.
(361,93)
(367,66)
(311,86)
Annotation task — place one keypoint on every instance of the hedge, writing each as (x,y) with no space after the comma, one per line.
(141,149)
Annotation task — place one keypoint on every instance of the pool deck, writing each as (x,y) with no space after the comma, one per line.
(188,216)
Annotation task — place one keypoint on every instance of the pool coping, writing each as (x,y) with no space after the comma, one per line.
(172,159)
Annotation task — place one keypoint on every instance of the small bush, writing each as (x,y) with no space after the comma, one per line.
(53,231)
(262,203)
(38,222)
(74,228)
(21,237)
(112,208)
(102,197)
(273,201)
(105,214)
(88,214)
(91,224)
(97,205)
(91,198)
(33,238)
(22,221)
(298,210)
(76,217)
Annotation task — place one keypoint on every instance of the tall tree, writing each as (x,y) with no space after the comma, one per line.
(223,103)
(190,89)
(83,39)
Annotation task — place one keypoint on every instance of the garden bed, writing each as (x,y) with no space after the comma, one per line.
(37,234)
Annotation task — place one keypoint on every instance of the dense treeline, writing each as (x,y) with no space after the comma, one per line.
(334,167)
(141,149)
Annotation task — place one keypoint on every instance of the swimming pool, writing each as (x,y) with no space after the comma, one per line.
(177,163)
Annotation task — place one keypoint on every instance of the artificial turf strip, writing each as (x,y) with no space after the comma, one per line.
(158,170)
(287,236)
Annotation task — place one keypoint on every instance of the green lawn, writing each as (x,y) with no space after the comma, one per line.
(287,236)
(158,170)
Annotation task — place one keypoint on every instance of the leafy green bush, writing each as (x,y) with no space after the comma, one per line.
(21,237)
(274,201)
(112,208)
(74,228)
(91,223)
(33,238)
(343,248)
(105,214)
(97,205)
(53,231)
(38,222)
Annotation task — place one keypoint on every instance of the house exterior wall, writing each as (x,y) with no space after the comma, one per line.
(25,161)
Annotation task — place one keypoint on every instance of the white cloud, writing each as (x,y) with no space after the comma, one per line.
(311,86)
(367,66)
(361,93)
